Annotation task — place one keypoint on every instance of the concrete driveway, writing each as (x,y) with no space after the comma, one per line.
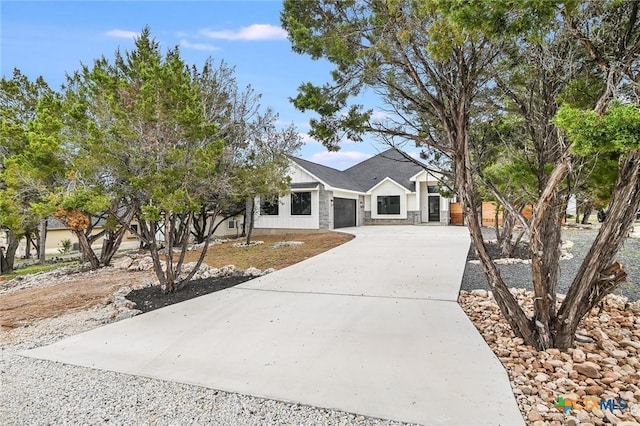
(371,327)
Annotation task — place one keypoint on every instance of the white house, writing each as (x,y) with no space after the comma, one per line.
(384,189)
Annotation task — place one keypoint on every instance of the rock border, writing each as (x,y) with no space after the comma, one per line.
(607,367)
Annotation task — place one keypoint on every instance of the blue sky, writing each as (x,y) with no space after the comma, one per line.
(51,38)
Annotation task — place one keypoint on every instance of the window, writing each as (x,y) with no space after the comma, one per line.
(389,204)
(232,224)
(133,230)
(300,203)
(269,206)
(433,189)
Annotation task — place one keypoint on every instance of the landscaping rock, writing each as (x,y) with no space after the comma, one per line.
(252,272)
(604,366)
(280,244)
(588,369)
(123,263)
(129,313)
(534,416)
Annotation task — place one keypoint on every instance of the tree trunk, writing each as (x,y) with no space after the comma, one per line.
(28,244)
(508,305)
(199,221)
(148,231)
(88,255)
(112,240)
(251,213)
(506,236)
(586,213)
(599,275)
(8,254)
(578,210)
(169,228)
(42,241)
(544,248)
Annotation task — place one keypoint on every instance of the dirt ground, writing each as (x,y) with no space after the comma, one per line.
(20,307)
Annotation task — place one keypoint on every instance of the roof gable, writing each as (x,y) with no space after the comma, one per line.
(388,164)
(364,176)
(327,175)
(387,179)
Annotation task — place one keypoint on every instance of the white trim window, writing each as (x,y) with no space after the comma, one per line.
(388,204)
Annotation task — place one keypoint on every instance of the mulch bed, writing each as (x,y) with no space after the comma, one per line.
(520,252)
(152,298)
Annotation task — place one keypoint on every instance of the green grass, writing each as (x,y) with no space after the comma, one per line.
(33,269)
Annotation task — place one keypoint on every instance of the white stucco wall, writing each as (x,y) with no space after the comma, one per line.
(298,175)
(384,189)
(412,204)
(285,219)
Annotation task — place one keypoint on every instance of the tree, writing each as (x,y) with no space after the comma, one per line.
(233,110)
(157,146)
(31,160)
(430,61)
(265,163)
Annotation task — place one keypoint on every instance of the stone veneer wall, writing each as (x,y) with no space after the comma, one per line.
(362,214)
(326,208)
(413,218)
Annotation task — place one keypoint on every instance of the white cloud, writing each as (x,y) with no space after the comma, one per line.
(116,33)
(339,160)
(377,115)
(307,139)
(198,46)
(252,32)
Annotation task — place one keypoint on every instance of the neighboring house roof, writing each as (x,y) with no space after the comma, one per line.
(388,164)
(362,177)
(53,223)
(329,176)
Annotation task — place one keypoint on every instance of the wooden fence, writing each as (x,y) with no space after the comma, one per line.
(489,213)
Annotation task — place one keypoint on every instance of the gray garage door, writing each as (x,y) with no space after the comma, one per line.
(344,212)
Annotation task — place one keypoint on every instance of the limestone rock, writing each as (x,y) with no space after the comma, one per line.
(123,263)
(588,369)
(579,356)
(534,416)
(129,313)
(252,272)
(541,377)
(594,390)
(619,353)
(611,418)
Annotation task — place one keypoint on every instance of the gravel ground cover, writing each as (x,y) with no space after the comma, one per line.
(518,275)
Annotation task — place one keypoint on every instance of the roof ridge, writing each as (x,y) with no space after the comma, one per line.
(294,158)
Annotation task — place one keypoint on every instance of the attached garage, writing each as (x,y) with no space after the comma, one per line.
(344,212)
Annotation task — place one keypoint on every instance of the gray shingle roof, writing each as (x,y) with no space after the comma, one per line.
(367,174)
(328,175)
(390,163)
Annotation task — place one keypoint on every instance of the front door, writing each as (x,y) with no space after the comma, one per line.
(434,208)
